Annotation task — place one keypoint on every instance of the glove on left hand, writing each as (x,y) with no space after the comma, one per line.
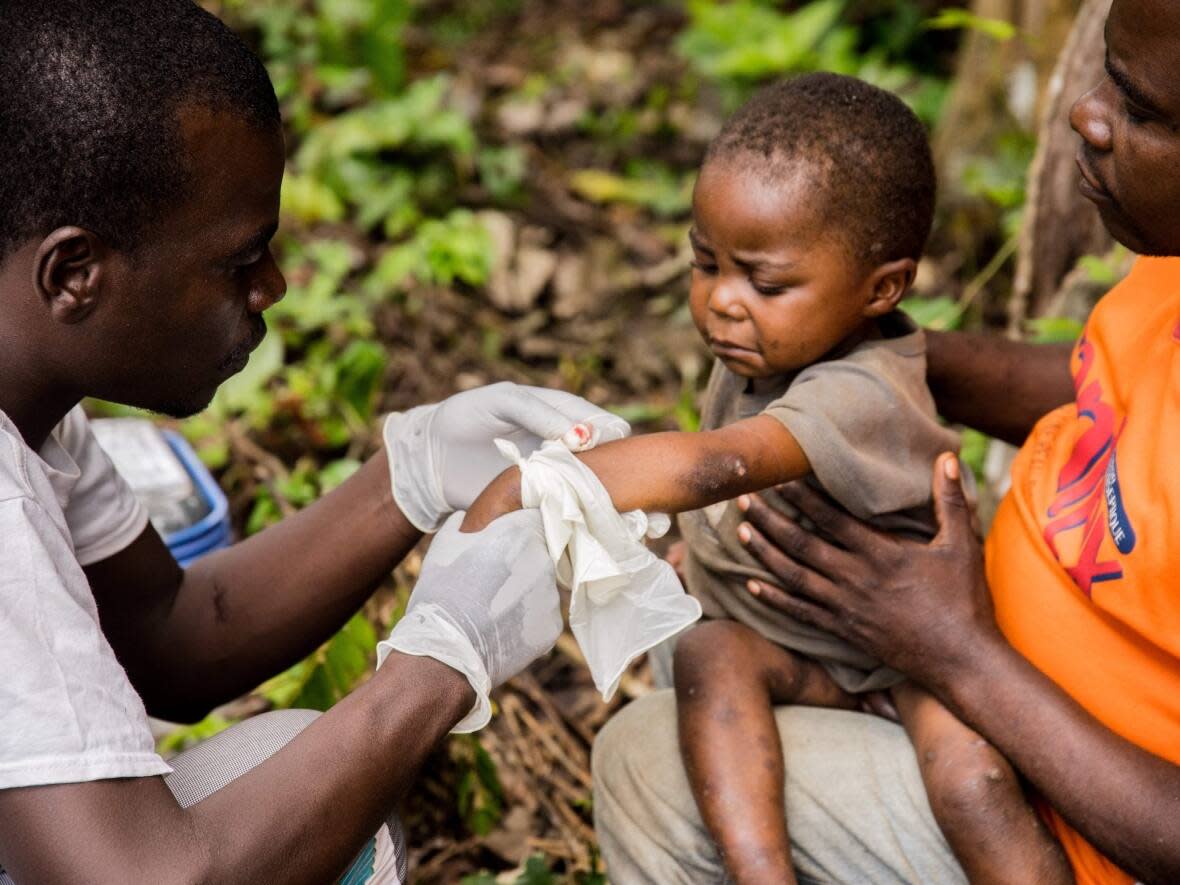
(441,456)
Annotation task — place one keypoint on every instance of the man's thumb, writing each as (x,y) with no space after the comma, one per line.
(951,507)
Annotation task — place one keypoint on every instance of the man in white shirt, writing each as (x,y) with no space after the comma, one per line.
(139,186)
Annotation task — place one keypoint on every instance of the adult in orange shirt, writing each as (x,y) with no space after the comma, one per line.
(1061,642)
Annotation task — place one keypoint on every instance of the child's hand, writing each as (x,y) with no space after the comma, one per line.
(675,558)
(501,496)
(879,703)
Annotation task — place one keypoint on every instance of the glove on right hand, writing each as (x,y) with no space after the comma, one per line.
(485,603)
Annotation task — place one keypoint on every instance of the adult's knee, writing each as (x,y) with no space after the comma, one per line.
(966,780)
(636,755)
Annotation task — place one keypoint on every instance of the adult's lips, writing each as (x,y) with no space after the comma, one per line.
(1091,185)
(237,358)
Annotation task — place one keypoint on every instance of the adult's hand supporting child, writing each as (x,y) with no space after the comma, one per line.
(926,610)
(921,607)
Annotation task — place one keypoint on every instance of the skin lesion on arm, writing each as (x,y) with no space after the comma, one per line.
(672,472)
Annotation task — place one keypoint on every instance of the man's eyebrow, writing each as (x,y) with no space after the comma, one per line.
(1129,89)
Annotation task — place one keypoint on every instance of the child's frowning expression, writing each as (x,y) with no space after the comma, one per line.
(774,285)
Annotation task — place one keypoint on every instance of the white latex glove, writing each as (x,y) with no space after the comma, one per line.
(442,456)
(485,603)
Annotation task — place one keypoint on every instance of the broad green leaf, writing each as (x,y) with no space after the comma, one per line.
(940,313)
(955,17)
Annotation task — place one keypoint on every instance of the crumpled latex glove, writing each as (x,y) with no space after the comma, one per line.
(485,603)
(624,600)
(441,456)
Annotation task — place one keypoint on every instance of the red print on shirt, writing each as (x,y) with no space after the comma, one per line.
(1089,495)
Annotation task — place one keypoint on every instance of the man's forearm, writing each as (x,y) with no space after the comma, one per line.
(300,816)
(246,613)
(995,385)
(1121,798)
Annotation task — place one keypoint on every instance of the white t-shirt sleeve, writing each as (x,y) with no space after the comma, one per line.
(68,712)
(103,514)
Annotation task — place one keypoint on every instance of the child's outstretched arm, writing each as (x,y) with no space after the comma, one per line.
(673,472)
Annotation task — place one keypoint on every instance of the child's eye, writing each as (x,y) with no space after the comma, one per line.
(703,266)
(768,288)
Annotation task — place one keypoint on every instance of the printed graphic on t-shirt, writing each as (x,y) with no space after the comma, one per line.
(1089,496)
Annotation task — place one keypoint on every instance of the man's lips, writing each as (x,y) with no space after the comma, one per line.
(1090,185)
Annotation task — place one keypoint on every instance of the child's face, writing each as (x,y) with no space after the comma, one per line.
(773,288)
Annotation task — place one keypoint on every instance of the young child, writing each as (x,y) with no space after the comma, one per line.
(809,215)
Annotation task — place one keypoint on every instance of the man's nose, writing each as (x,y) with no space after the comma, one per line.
(1090,118)
(269,288)
(725,300)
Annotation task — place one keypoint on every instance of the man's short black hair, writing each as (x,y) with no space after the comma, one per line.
(866,151)
(89,97)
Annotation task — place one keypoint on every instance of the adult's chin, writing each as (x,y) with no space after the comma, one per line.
(184,406)
(1127,232)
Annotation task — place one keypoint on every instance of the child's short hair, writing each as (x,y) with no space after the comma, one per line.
(866,150)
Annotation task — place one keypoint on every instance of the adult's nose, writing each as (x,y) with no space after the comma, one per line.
(1090,117)
(270,286)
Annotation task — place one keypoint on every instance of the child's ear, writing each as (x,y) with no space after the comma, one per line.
(887,284)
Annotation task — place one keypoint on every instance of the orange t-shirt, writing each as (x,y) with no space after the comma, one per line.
(1083,559)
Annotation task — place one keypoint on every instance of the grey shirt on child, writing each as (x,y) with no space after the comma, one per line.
(866,422)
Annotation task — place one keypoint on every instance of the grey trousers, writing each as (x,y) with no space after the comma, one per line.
(206,768)
(856,807)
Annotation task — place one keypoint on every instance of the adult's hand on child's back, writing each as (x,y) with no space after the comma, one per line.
(922,608)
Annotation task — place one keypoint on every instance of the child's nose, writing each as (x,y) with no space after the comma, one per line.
(725,300)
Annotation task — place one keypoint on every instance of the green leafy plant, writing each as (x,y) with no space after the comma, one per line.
(536,871)
(480,795)
(741,44)
(954,17)
(328,674)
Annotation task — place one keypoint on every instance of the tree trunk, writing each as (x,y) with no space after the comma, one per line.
(999,86)
(1060,225)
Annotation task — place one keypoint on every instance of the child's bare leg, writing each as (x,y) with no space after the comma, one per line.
(977,799)
(727,680)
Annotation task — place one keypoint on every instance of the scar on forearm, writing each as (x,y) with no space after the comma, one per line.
(715,474)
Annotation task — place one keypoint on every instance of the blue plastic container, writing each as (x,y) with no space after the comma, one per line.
(213,531)
(184,502)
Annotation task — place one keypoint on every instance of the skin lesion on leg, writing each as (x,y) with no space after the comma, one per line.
(728,679)
(978,801)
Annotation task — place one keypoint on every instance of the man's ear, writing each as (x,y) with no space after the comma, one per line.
(887,284)
(69,269)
